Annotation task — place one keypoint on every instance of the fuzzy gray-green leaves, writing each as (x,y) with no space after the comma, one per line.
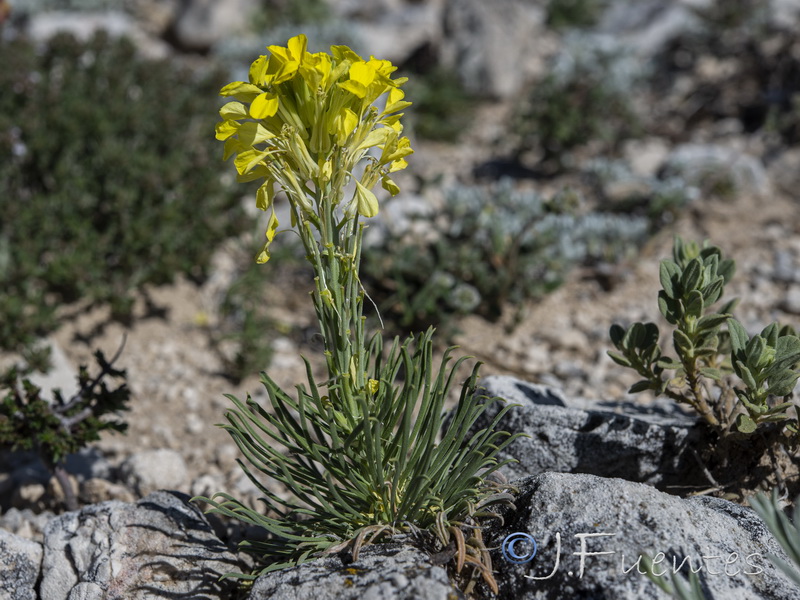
(693,280)
(766,364)
(711,347)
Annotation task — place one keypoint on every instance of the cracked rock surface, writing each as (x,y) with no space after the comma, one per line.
(159,547)
(393,571)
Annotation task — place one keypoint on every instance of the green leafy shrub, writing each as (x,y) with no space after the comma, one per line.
(585,97)
(711,348)
(57,427)
(274,13)
(108,181)
(442,107)
(489,248)
(563,14)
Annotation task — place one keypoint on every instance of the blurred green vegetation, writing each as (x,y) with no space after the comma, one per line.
(110,178)
(276,13)
(487,250)
(564,14)
(585,98)
(442,109)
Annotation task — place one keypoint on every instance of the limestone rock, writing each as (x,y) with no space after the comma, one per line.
(392,571)
(83,25)
(396,35)
(726,544)
(647,26)
(634,444)
(202,23)
(20,563)
(494,46)
(151,470)
(159,547)
(61,376)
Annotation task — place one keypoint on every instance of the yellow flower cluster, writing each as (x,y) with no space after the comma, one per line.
(304,122)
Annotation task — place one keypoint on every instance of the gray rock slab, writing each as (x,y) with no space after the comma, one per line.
(590,532)
(614,440)
(483,38)
(20,564)
(391,571)
(160,547)
(151,470)
(199,24)
(647,26)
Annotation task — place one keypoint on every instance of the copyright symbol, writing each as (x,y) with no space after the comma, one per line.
(528,548)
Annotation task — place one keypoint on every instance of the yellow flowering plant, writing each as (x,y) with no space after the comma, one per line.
(367,452)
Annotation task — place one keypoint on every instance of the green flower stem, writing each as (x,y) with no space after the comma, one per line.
(334,251)
(363,458)
(688,324)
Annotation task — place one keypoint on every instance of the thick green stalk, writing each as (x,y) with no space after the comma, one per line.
(333,249)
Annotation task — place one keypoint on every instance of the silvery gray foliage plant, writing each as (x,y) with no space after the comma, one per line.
(490,247)
(657,197)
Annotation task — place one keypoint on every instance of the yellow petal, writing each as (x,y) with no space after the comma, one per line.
(260,171)
(384,67)
(363,73)
(398,165)
(252,133)
(345,54)
(233,110)
(225,129)
(246,160)
(344,124)
(396,150)
(297,46)
(375,137)
(389,185)
(272,228)
(258,71)
(264,105)
(366,201)
(355,88)
(395,102)
(241,90)
(284,62)
(232,146)
(265,195)
(325,170)
(393,121)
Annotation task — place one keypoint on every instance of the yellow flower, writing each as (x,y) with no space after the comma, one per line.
(303,123)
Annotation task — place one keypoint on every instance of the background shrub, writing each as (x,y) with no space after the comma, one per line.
(442,108)
(109,178)
(488,248)
(585,97)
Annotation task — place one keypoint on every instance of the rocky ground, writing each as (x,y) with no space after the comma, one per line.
(178,391)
